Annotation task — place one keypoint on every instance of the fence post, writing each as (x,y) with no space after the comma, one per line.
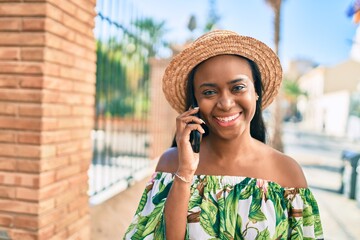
(47,87)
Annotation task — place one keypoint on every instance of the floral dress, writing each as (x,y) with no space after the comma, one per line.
(230,207)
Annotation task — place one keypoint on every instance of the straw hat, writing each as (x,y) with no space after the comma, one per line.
(219,42)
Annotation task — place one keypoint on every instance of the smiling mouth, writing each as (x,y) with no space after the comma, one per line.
(227,119)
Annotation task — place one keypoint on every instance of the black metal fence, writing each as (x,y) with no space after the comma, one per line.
(120,137)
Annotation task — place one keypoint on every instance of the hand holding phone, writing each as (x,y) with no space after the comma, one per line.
(195,136)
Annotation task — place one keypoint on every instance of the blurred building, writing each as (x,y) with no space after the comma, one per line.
(330,91)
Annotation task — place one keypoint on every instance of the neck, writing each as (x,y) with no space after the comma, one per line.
(238,149)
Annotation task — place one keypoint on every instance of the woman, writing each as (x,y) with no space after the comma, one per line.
(237,187)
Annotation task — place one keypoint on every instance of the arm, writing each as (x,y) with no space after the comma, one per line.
(182,161)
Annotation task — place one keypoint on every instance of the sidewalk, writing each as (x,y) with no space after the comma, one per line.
(340,216)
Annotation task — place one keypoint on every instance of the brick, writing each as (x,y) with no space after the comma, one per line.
(79,179)
(84,88)
(23,39)
(52,69)
(8,81)
(60,57)
(84,5)
(22,234)
(26,222)
(9,53)
(67,171)
(10,24)
(53,190)
(29,151)
(18,207)
(7,192)
(23,67)
(27,194)
(46,178)
(57,42)
(86,41)
(30,166)
(85,64)
(81,202)
(34,82)
(33,24)
(30,110)
(19,179)
(22,95)
(67,197)
(8,109)
(6,220)
(46,205)
(7,164)
(61,236)
(53,216)
(59,29)
(7,137)
(66,220)
(32,54)
(55,13)
(57,136)
(54,83)
(67,148)
(55,110)
(23,9)
(49,124)
(46,233)
(7,149)
(29,137)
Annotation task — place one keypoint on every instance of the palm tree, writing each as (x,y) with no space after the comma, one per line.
(276,140)
(154,31)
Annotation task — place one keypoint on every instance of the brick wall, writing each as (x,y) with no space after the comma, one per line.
(162,117)
(47,87)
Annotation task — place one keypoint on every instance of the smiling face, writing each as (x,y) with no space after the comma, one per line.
(224,90)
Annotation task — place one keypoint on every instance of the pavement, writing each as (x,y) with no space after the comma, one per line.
(319,157)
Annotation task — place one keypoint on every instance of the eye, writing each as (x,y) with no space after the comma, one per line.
(239,88)
(208,92)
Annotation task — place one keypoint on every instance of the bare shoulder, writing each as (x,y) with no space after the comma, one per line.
(288,171)
(168,161)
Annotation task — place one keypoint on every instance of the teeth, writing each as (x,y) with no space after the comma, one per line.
(227,119)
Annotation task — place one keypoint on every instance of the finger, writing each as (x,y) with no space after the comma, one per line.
(192,127)
(191,111)
(190,119)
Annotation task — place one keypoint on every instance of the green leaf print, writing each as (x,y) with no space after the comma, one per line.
(246,192)
(209,219)
(162,194)
(308,217)
(265,234)
(231,207)
(154,219)
(255,214)
(142,203)
(281,230)
(317,226)
(238,234)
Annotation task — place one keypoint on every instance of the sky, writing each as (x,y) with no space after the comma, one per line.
(315,30)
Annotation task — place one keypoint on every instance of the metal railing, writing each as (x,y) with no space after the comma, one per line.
(121,136)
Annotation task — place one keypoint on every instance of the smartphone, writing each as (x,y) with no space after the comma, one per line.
(195,136)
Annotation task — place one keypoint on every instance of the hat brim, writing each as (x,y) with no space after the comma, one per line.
(220,42)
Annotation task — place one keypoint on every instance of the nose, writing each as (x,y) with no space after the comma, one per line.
(225,102)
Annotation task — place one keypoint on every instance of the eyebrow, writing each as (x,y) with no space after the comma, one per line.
(240,79)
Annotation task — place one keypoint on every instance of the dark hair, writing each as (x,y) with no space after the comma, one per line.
(257,126)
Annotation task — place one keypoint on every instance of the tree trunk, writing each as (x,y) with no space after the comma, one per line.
(276,140)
